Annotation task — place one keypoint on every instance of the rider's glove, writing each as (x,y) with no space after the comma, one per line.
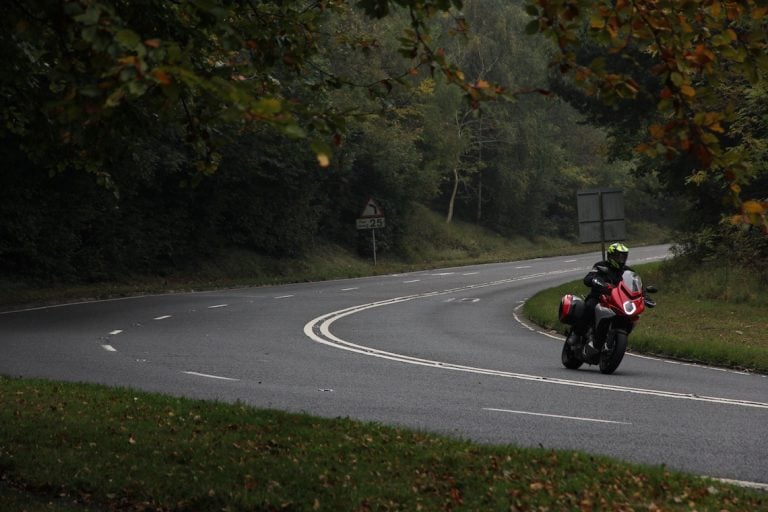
(599,283)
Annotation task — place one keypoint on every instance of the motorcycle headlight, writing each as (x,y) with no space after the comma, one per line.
(629,307)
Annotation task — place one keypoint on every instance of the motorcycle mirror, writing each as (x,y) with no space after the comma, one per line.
(651,289)
(602,269)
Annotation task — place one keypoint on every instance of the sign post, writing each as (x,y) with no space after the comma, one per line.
(371,218)
(601,216)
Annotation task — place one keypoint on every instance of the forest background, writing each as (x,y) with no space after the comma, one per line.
(103,181)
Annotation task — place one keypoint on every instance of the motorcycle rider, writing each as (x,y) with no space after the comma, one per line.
(603,273)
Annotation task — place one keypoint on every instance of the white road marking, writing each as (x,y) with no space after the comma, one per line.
(350,289)
(570,261)
(751,485)
(471,274)
(412,281)
(450,300)
(116,331)
(560,337)
(514,314)
(318,330)
(557,416)
(218,306)
(162,317)
(696,365)
(109,348)
(207,376)
(520,268)
(283,296)
(532,329)
(443,274)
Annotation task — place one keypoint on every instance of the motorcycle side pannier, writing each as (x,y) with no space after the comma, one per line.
(571,309)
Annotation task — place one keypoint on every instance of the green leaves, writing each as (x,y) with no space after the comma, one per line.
(99,67)
(697,46)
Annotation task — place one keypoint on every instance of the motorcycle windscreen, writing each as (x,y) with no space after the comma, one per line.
(632,282)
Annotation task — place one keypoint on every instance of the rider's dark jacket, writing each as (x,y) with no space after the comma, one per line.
(612,276)
(607,273)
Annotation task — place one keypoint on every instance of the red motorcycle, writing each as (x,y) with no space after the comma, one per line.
(616,314)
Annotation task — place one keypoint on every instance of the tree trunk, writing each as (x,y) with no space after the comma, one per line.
(480,201)
(449,218)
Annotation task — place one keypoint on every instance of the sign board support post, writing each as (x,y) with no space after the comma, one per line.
(373,233)
(371,218)
(602,224)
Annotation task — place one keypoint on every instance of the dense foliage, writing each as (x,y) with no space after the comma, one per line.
(691,64)
(685,81)
(214,124)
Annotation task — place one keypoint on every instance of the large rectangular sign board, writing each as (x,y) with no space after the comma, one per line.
(601,215)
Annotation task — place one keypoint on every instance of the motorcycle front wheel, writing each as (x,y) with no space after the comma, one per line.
(569,358)
(610,360)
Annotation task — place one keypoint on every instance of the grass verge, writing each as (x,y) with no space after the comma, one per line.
(430,241)
(712,314)
(67,447)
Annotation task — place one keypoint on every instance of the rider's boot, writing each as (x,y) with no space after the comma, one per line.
(573,338)
(589,347)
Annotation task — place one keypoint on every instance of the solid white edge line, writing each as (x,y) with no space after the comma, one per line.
(741,483)
(322,325)
(208,376)
(318,330)
(560,337)
(594,420)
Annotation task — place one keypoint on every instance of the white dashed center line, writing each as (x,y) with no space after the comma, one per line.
(162,317)
(207,376)
(557,416)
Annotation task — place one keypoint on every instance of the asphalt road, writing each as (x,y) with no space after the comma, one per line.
(443,350)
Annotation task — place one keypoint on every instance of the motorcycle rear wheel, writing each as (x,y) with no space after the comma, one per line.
(611,360)
(569,358)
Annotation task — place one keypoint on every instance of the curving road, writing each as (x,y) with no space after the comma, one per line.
(442,350)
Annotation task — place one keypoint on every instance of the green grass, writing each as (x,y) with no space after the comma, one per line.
(74,447)
(712,313)
(150,452)
(434,244)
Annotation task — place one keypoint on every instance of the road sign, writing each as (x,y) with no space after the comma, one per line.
(372,210)
(370,222)
(371,218)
